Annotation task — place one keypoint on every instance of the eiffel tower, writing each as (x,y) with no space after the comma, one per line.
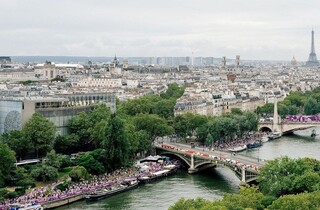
(312,61)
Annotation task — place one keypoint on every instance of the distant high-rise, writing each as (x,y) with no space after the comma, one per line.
(238,61)
(312,61)
(224,62)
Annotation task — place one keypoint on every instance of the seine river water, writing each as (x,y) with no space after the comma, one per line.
(210,185)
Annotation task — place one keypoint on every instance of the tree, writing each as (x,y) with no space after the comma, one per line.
(266,109)
(78,173)
(248,198)
(311,107)
(66,144)
(54,160)
(41,132)
(93,166)
(139,141)
(45,173)
(116,144)
(164,108)
(192,204)
(98,133)
(7,160)
(88,126)
(80,125)
(17,142)
(283,176)
(173,91)
(145,105)
(153,124)
(181,124)
(23,178)
(300,201)
(209,139)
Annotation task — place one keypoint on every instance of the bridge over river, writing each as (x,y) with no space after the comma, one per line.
(246,168)
(284,126)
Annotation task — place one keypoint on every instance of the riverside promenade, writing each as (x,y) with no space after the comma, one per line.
(51,197)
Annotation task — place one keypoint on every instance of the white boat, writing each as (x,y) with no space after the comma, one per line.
(265,139)
(275,135)
(26,206)
(238,149)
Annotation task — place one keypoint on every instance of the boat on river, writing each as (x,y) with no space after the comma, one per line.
(254,144)
(152,176)
(275,135)
(27,206)
(265,139)
(112,190)
(238,149)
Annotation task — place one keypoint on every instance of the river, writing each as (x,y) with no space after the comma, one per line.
(210,185)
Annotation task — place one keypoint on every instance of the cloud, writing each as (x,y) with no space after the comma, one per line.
(264,29)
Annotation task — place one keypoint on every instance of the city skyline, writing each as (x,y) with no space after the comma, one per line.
(255,30)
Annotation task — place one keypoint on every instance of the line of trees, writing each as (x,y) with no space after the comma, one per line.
(307,103)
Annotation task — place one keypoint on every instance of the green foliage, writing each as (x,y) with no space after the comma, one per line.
(186,124)
(27,83)
(193,204)
(174,91)
(311,106)
(227,126)
(88,126)
(63,186)
(7,160)
(266,109)
(98,133)
(307,103)
(23,178)
(283,176)
(116,143)
(153,125)
(80,126)
(17,141)
(152,104)
(248,198)
(44,173)
(79,173)
(54,160)
(301,201)
(235,111)
(140,105)
(92,166)
(66,144)
(40,132)
(164,108)
(139,141)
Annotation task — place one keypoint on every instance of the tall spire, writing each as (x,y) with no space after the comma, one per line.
(312,61)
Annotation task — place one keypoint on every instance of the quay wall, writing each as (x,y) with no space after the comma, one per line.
(61,202)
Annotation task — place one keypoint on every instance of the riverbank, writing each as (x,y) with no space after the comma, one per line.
(51,197)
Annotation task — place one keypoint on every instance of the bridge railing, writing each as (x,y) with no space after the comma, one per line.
(202,155)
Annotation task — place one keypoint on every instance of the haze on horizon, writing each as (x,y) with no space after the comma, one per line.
(255,30)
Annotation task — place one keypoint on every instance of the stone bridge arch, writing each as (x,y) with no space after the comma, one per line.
(265,129)
(179,156)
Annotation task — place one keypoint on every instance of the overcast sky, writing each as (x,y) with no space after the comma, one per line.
(253,29)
